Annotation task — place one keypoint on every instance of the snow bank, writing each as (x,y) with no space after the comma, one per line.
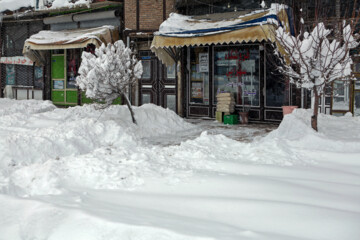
(36,220)
(92,174)
(25,107)
(59,146)
(335,134)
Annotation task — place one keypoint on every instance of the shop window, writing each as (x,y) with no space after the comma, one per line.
(277,87)
(236,70)
(73,63)
(341,96)
(199,75)
(38,77)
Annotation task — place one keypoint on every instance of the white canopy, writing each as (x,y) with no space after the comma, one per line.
(66,39)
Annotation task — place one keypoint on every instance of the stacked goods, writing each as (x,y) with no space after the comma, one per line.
(225,103)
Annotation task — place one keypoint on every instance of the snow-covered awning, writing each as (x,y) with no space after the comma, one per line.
(178,30)
(66,39)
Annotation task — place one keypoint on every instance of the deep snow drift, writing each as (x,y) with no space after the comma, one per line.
(82,173)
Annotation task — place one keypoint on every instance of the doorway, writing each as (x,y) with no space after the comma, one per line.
(157,84)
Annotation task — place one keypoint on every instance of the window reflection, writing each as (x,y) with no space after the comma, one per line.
(170,72)
(73,63)
(236,70)
(171,102)
(199,75)
(357,104)
(146,69)
(341,96)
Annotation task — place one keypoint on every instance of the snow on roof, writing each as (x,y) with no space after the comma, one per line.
(68,36)
(66,3)
(180,25)
(13,5)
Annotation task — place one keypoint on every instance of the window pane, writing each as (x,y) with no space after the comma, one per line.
(357,84)
(277,88)
(145,98)
(171,102)
(10,74)
(357,104)
(357,67)
(58,84)
(341,96)
(170,72)
(73,62)
(146,69)
(38,75)
(236,70)
(199,76)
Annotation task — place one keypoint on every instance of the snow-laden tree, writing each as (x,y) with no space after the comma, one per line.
(106,75)
(317,58)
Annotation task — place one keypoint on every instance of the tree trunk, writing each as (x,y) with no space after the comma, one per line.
(130,108)
(314,122)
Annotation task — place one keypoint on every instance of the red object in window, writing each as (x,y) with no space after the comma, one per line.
(72,66)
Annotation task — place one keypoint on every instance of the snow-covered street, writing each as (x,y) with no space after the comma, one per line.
(86,174)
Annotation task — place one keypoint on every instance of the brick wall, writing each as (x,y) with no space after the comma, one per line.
(151,13)
(130,14)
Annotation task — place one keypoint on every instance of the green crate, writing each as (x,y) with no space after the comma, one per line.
(231,119)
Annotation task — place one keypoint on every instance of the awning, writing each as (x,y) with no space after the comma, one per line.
(179,31)
(67,39)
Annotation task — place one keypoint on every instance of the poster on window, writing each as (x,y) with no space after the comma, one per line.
(38,77)
(196,90)
(10,74)
(58,84)
(203,62)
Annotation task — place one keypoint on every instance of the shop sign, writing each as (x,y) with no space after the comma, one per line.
(20,60)
(203,62)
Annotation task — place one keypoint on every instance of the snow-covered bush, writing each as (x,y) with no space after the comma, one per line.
(106,74)
(317,58)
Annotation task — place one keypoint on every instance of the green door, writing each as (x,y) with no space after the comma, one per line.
(58,78)
(62,93)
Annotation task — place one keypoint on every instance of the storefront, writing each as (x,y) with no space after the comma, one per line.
(231,55)
(20,79)
(65,48)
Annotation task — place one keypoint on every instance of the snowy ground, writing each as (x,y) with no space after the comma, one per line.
(80,173)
